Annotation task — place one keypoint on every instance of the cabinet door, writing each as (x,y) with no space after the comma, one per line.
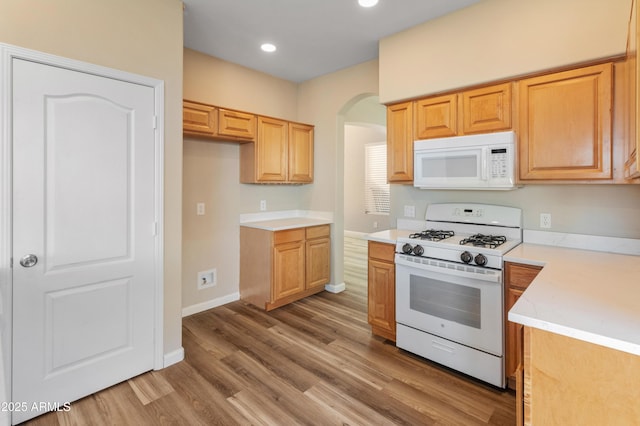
(437,117)
(565,125)
(271,150)
(237,124)
(381,310)
(517,278)
(632,141)
(400,143)
(318,254)
(288,269)
(300,153)
(487,109)
(512,338)
(198,119)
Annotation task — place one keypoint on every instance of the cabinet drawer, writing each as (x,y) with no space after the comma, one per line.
(318,231)
(198,119)
(236,123)
(519,275)
(382,251)
(288,235)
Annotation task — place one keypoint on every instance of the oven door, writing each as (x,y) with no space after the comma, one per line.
(457,302)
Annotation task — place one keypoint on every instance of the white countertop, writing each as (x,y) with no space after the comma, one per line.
(389,236)
(289,219)
(587,295)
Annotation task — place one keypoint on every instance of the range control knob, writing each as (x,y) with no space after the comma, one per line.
(418,250)
(480,260)
(407,249)
(466,257)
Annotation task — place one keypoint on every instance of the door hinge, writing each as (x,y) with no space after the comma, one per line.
(155,121)
(155,229)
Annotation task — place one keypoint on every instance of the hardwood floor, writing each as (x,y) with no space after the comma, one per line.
(313,362)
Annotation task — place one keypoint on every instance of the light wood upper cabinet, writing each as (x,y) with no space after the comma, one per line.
(632,145)
(236,123)
(271,150)
(281,153)
(565,125)
(199,119)
(211,122)
(437,117)
(400,142)
(487,109)
(300,153)
(482,110)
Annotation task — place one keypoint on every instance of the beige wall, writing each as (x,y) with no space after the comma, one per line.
(142,37)
(496,39)
(211,174)
(211,169)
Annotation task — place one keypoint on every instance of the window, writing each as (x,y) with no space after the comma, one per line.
(376,195)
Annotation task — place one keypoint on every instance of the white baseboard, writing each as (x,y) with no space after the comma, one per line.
(173,357)
(335,288)
(209,304)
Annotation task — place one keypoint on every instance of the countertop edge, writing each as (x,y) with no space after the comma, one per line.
(585,336)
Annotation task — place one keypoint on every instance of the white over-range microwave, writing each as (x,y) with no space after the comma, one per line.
(485,161)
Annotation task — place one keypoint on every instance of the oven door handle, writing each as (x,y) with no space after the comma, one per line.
(448,268)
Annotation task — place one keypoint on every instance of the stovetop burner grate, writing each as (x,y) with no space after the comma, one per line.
(488,241)
(433,235)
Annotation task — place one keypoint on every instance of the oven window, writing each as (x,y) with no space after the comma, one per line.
(445,300)
(460,166)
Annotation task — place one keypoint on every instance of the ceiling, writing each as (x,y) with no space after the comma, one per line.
(313,38)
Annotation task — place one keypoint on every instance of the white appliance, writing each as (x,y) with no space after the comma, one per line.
(485,161)
(449,287)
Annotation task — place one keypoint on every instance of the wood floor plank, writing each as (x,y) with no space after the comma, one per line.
(344,409)
(150,387)
(203,396)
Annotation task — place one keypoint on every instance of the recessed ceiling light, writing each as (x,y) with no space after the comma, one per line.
(367,3)
(268,47)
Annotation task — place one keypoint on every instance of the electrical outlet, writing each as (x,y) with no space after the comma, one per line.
(200,209)
(263,205)
(207,279)
(545,220)
(409,211)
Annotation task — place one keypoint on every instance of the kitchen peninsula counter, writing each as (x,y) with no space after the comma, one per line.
(586,295)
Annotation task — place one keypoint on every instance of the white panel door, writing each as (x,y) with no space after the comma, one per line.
(83,205)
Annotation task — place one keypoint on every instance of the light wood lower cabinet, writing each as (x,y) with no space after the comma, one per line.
(381,303)
(280,267)
(573,382)
(517,278)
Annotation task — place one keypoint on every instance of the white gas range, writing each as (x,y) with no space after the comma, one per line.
(449,291)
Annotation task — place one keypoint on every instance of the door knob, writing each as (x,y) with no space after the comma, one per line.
(29,260)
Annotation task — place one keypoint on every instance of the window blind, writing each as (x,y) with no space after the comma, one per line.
(376,188)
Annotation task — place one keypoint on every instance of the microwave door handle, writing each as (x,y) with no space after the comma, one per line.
(483,166)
